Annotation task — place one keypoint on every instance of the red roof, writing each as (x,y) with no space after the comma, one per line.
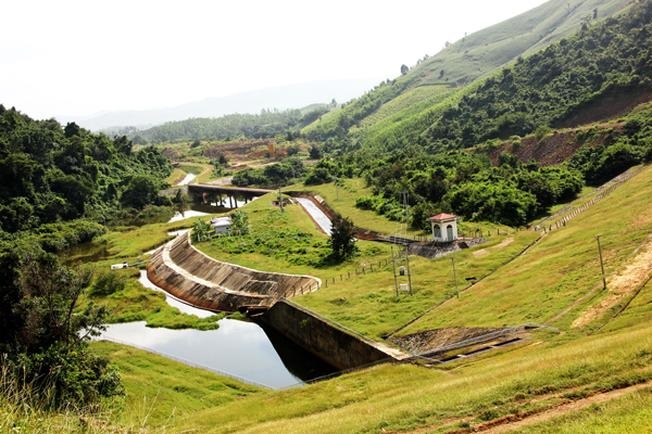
(443,216)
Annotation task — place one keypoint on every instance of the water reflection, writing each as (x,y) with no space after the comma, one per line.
(238,348)
(172,300)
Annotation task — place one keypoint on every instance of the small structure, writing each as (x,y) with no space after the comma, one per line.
(120,266)
(444,227)
(221,225)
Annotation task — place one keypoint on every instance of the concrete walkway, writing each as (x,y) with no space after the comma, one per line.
(316,214)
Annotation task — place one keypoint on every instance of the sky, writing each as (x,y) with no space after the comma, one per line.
(83,57)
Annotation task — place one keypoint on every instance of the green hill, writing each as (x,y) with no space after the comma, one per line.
(267,123)
(380,111)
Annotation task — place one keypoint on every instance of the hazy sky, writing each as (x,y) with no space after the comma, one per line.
(81,57)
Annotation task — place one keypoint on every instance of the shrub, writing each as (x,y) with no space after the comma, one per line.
(108,283)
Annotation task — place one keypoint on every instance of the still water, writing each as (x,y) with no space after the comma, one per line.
(172,300)
(241,349)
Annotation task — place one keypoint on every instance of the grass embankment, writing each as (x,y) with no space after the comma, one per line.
(513,381)
(559,270)
(158,391)
(134,302)
(289,242)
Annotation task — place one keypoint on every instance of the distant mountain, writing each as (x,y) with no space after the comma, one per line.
(282,97)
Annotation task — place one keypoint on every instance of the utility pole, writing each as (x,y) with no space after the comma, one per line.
(455,278)
(409,272)
(604,280)
(337,189)
(394,270)
(280,199)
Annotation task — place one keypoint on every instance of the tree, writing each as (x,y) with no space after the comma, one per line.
(71,129)
(404,69)
(180,202)
(44,333)
(141,190)
(315,152)
(201,231)
(239,223)
(342,238)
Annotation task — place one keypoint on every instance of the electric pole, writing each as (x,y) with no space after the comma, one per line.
(407,263)
(455,278)
(394,270)
(604,280)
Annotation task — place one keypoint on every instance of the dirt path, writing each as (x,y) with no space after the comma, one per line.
(504,243)
(561,410)
(621,285)
(512,422)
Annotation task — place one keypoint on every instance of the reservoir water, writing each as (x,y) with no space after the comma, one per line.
(241,349)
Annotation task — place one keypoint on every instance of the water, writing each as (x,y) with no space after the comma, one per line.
(203,209)
(317,214)
(241,349)
(172,300)
(186,215)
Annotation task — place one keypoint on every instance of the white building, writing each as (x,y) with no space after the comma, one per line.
(221,225)
(444,227)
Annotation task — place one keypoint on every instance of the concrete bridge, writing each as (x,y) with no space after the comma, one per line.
(220,194)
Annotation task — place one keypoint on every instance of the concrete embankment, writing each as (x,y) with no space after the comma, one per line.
(190,275)
(338,347)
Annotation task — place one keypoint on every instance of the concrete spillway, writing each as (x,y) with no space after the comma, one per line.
(202,281)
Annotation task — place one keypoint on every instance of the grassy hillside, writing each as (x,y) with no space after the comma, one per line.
(362,301)
(157,392)
(564,265)
(567,378)
(540,374)
(462,62)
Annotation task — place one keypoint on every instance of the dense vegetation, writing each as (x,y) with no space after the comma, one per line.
(467,184)
(49,173)
(43,334)
(274,175)
(268,123)
(58,185)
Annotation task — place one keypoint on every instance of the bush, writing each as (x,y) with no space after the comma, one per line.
(108,283)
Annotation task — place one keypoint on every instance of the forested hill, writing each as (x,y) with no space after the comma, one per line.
(266,124)
(49,173)
(603,62)
(400,106)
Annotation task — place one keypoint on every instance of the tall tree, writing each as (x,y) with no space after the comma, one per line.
(342,238)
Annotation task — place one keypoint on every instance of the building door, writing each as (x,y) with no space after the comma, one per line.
(449,233)
(437,232)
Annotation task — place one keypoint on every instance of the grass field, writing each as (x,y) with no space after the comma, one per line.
(159,390)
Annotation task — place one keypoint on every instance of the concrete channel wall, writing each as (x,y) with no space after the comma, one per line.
(334,345)
(202,281)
